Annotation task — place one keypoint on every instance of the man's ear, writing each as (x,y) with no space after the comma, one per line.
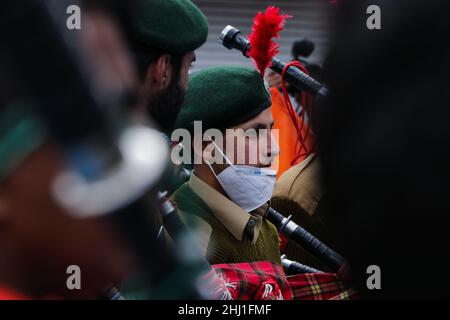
(158,74)
(163,71)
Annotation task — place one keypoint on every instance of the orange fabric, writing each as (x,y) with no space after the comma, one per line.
(287,135)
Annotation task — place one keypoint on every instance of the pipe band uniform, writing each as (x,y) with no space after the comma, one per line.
(299,192)
(230,224)
(164,36)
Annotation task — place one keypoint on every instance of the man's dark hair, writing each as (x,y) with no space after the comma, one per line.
(145,55)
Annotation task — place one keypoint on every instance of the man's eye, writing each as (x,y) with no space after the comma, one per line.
(251,133)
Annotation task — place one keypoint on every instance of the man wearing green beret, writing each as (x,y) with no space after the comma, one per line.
(224,201)
(164,36)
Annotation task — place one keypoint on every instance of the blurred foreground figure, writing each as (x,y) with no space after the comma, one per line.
(79,172)
(384,139)
(40,237)
(164,35)
(39,240)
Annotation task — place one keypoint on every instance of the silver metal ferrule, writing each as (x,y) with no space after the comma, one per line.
(166,207)
(224,33)
(290,227)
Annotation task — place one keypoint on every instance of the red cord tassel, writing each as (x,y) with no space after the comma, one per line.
(303,151)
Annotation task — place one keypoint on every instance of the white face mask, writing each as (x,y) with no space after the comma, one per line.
(249,187)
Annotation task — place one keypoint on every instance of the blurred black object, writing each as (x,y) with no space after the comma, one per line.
(302,48)
(42,59)
(384,136)
(301,51)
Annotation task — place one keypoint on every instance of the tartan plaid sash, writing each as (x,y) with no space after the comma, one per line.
(267,281)
(319,286)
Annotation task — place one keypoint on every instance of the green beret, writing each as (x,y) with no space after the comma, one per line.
(223,97)
(172,26)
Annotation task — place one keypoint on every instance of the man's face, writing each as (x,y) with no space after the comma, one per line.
(251,143)
(163,105)
(254,141)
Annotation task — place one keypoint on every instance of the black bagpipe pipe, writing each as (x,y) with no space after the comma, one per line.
(305,239)
(182,236)
(294,267)
(231,38)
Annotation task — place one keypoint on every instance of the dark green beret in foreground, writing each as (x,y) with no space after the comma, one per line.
(222,97)
(171,26)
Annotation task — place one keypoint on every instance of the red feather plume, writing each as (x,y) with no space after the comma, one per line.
(266,26)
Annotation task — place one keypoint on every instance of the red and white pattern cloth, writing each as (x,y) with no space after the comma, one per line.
(267,281)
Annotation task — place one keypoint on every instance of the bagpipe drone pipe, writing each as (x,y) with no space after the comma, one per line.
(231,38)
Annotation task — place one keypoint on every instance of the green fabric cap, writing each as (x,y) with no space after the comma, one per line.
(171,26)
(223,97)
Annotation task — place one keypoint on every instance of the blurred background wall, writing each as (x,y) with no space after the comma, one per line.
(310,20)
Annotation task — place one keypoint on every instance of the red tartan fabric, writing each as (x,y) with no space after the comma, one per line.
(267,281)
(319,286)
(251,281)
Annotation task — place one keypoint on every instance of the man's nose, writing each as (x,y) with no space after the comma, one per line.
(273,148)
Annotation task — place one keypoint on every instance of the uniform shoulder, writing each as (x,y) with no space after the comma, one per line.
(294,173)
(185,200)
(301,184)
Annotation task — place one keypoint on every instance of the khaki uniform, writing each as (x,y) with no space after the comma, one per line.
(226,232)
(299,192)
